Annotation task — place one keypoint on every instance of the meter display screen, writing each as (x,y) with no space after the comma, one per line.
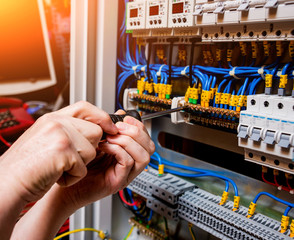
(178,8)
(134,13)
(154,10)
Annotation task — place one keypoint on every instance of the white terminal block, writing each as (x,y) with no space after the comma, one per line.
(179,117)
(156,14)
(128,103)
(266,131)
(136,15)
(181,13)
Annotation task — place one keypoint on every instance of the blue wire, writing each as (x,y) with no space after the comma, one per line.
(189,175)
(171,164)
(273,197)
(287,211)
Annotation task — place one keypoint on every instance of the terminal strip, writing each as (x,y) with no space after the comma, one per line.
(202,209)
(163,209)
(168,188)
(139,184)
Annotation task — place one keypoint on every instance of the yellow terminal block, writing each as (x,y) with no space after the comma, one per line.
(268,80)
(284,223)
(266,48)
(279,48)
(234,100)
(194,96)
(276,172)
(187,94)
(156,87)
(225,98)
(218,96)
(251,209)
(212,94)
(218,55)
(149,87)
(229,55)
(236,203)
(160,169)
(141,86)
(224,198)
(292,229)
(283,81)
(168,91)
(254,49)
(205,98)
(291,49)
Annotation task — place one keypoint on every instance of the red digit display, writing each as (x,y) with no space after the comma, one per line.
(134,13)
(154,10)
(178,8)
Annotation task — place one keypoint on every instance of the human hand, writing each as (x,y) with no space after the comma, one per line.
(56,148)
(118,162)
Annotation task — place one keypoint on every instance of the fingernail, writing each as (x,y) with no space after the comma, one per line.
(121,125)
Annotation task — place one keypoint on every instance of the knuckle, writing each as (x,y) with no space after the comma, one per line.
(82,104)
(145,157)
(136,132)
(152,147)
(62,143)
(92,153)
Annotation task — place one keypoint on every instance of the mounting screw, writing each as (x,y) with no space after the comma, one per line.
(253,102)
(280,105)
(266,103)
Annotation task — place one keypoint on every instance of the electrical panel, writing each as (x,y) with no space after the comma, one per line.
(227,66)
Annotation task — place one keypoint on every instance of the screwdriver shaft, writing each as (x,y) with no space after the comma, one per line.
(161,113)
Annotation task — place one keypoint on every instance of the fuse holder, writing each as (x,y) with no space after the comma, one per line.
(254,50)
(218,55)
(266,49)
(236,203)
(284,223)
(279,48)
(291,49)
(251,209)
(229,55)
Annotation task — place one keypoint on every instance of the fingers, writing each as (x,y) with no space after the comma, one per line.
(81,144)
(75,172)
(122,168)
(91,113)
(136,130)
(139,154)
(92,132)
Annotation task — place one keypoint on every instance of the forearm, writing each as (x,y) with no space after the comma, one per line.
(44,219)
(11,206)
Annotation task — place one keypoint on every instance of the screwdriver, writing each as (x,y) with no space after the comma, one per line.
(133,113)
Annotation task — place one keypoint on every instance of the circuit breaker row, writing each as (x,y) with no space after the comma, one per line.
(266,131)
(176,198)
(214,20)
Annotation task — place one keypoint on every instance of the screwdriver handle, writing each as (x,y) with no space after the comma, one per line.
(119,118)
